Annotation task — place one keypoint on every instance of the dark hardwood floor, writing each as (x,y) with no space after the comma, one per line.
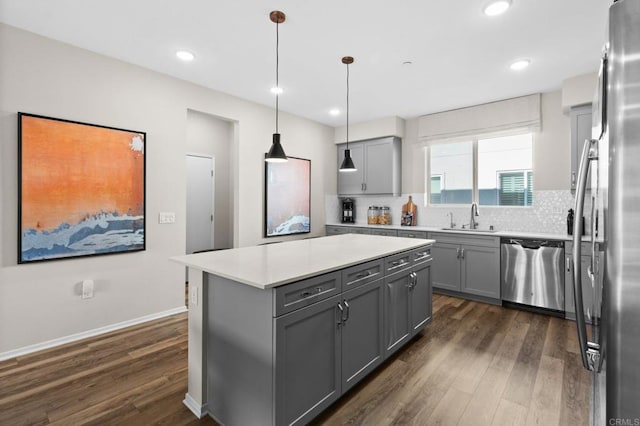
(475,364)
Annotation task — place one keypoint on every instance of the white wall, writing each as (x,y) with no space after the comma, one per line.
(39,302)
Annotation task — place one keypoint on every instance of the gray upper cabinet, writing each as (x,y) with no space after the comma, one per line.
(467,264)
(379,167)
(580,119)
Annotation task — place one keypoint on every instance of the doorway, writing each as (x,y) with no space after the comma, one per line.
(200,202)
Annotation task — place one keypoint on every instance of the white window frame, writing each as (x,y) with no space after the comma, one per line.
(475,191)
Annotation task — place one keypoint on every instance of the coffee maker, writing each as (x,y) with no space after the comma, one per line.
(348,210)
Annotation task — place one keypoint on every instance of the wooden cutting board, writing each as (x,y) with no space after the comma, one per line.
(409,213)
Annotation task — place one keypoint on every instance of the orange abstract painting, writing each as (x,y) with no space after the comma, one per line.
(82,189)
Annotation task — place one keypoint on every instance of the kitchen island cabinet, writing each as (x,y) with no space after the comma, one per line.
(280,341)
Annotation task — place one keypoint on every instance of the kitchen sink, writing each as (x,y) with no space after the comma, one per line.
(469,230)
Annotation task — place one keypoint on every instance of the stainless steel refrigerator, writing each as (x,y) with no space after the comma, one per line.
(610,348)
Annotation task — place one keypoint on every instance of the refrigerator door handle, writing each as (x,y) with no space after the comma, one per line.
(589,351)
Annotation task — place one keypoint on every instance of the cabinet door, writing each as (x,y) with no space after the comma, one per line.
(362,332)
(421,302)
(379,173)
(397,310)
(580,122)
(308,366)
(350,183)
(481,271)
(446,270)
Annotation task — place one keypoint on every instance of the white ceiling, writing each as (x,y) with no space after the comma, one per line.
(460,56)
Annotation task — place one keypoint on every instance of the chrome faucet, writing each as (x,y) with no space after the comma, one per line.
(474,212)
(452,224)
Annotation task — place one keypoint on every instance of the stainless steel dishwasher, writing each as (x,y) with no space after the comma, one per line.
(533,272)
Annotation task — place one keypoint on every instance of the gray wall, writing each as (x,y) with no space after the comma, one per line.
(213,136)
(40,302)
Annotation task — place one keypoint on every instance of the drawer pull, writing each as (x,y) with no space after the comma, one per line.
(309,293)
(411,235)
(399,263)
(364,275)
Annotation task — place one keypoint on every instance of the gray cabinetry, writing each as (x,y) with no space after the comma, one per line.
(308,362)
(378,164)
(588,291)
(338,230)
(281,356)
(362,328)
(467,264)
(580,122)
(407,298)
(412,234)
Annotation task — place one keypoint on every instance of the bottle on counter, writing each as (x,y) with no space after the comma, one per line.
(570,222)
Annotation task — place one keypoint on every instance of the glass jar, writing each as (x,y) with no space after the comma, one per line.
(372,215)
(385,216)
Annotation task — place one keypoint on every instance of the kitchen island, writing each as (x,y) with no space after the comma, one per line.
(278,332)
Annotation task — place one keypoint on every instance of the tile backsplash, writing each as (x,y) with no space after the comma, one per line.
(548,213)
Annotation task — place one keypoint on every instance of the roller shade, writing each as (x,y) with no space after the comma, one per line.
(516,115)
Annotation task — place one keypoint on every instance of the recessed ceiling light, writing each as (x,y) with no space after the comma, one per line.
(497,7)
(276,90)
(185,55)
(520,64)
(334,112)
(407,63)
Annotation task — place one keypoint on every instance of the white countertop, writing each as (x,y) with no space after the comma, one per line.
(272,265)
(516,234)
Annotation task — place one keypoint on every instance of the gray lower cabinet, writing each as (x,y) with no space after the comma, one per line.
(361,332)
(308,362)
(339,230)
(467,264)
(408,302)
(281,356)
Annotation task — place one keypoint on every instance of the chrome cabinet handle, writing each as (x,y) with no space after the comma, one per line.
(589,351)
(346,304)
(366,274)
(398,263)
(309,293)
(458,253)
(341,313)
(462,253)
(573,179)
(411,235)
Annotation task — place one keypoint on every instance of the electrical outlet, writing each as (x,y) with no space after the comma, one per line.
(194,295)
(87,289)
(166,217)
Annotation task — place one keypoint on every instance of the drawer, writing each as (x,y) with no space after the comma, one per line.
(289,297)
(421,255)
(361,274)
(384,232)
(337,230)
(397,262)
(413,234)
(468,239)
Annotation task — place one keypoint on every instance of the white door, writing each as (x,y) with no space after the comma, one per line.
(200,179)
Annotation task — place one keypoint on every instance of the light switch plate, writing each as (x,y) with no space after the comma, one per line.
(87,289)
(166,217)
(194,295)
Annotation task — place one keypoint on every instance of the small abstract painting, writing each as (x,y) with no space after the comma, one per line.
(81,189)
(287,197)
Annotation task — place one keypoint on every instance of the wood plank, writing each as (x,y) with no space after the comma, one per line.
(486,398)
(450,408)
(544,408)
(576,389)
(509,414)
(556,338)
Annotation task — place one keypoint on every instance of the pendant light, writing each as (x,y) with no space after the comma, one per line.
(276,153)
(347,164)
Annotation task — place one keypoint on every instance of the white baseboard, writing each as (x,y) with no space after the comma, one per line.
(90,333)
(199,410)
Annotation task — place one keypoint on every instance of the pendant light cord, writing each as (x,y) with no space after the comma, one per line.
(347,106)
(277,66)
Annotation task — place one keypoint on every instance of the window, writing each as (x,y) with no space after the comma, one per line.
(451,173)
(502,175)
